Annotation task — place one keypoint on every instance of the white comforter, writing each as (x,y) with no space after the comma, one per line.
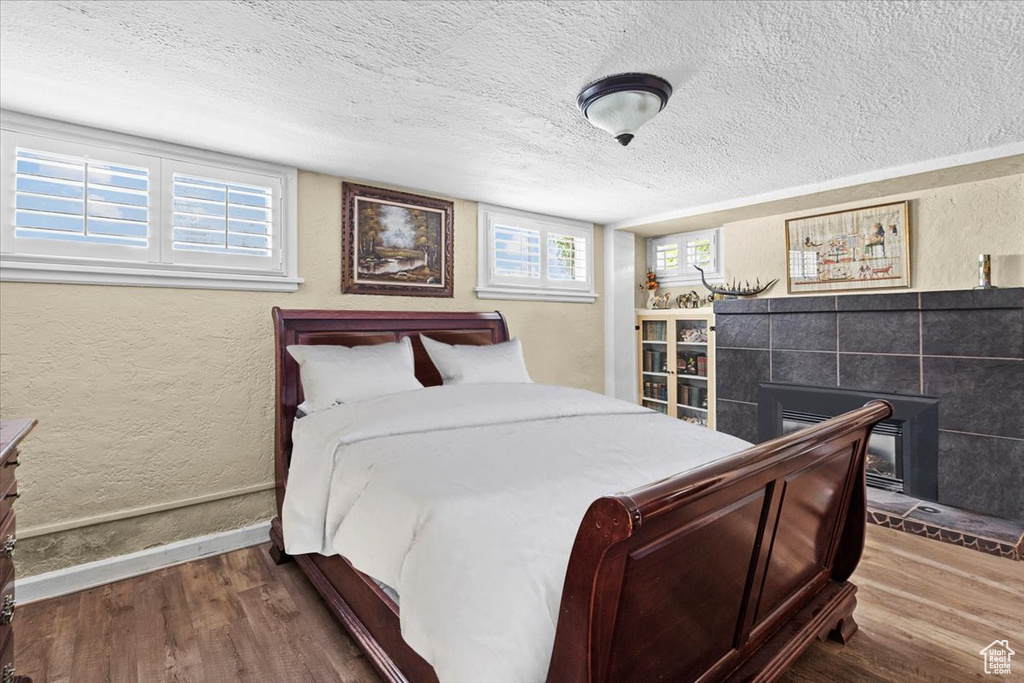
(466,499)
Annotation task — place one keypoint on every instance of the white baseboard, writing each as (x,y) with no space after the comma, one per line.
(92,574)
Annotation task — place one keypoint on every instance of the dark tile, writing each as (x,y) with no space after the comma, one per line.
(804,331)
(737,419)
(982,473)
(880,331)
(1012,297)
(740,306)
(803,304)
(990,332)
(889,374)
(744,331)
(738,372)
(890,502)
(970,525)
(878,302)
(978,395)
(804,367)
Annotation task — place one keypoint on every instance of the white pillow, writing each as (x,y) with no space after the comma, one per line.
(469,364)
(342,374)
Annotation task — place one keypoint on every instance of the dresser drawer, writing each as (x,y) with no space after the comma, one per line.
(8,483)
(7,502)
(7,609)
(7,658)
(8,538)
(8,470)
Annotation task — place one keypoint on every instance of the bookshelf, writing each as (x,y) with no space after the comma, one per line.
(676,353)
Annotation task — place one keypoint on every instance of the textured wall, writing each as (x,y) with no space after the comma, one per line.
(151,395)
(950,226)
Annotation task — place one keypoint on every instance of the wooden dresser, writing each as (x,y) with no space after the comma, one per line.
(11,434)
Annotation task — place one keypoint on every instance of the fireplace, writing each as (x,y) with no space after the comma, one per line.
(902,453)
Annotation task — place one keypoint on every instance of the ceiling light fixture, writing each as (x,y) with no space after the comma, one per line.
(622,103)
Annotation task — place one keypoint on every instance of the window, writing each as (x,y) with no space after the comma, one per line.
(86,206)
(674,257)
(528,256)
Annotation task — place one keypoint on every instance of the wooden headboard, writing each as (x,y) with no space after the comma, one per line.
(359,328)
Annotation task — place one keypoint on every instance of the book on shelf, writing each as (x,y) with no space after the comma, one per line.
(692,396)
(655,361)
(660,407)
(656,390)
(655,330)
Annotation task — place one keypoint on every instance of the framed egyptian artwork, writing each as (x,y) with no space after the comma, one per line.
(866,248)
(395,243)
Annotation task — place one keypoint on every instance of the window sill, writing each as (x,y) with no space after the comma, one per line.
(81,274)
(535,295)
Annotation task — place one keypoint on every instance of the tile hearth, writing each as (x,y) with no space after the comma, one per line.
(992,535)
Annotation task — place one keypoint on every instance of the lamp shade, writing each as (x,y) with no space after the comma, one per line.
(621,104)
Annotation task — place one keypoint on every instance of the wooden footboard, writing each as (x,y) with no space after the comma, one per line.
(726,572)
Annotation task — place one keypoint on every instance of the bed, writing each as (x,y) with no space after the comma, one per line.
(726,571)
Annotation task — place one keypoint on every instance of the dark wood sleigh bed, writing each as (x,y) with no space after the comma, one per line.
(725,572)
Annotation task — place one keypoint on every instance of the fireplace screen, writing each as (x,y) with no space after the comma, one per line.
(884,466)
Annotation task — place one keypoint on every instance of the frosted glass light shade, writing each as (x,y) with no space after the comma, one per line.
(621,104)
(622,113)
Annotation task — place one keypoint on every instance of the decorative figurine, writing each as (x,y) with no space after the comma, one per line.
(689,300)
(660,302)
(734,289)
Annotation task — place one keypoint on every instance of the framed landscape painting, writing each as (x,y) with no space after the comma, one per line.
(395,243)
(866,248)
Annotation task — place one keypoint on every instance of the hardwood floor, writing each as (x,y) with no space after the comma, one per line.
(925,610)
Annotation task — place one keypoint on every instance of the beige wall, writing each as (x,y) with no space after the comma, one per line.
(950,226)
(150,396)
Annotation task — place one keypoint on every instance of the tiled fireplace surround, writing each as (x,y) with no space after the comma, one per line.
(965,348)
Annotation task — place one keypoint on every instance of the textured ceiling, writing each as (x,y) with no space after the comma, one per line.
(477,99)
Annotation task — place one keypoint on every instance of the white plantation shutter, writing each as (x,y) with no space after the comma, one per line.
(80,205)
(673,257)
(516,252)
(77,201)
(529,256)
(666,257)
(701,250)
(222,217)
(567,257)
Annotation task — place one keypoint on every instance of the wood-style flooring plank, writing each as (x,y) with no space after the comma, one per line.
(924,608)
(165,633)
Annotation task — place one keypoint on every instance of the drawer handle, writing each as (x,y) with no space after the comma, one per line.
(12,463)
(8,674)
(7,549)
(13,496)
(7,615)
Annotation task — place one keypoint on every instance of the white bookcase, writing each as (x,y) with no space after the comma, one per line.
(676,355)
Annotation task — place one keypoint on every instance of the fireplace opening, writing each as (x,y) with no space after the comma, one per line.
(884,466)
(902,454)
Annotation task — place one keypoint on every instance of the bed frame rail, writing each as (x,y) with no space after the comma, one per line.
(725,572)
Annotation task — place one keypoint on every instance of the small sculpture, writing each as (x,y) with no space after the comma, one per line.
(689,300)
(660,301)
(734,289)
